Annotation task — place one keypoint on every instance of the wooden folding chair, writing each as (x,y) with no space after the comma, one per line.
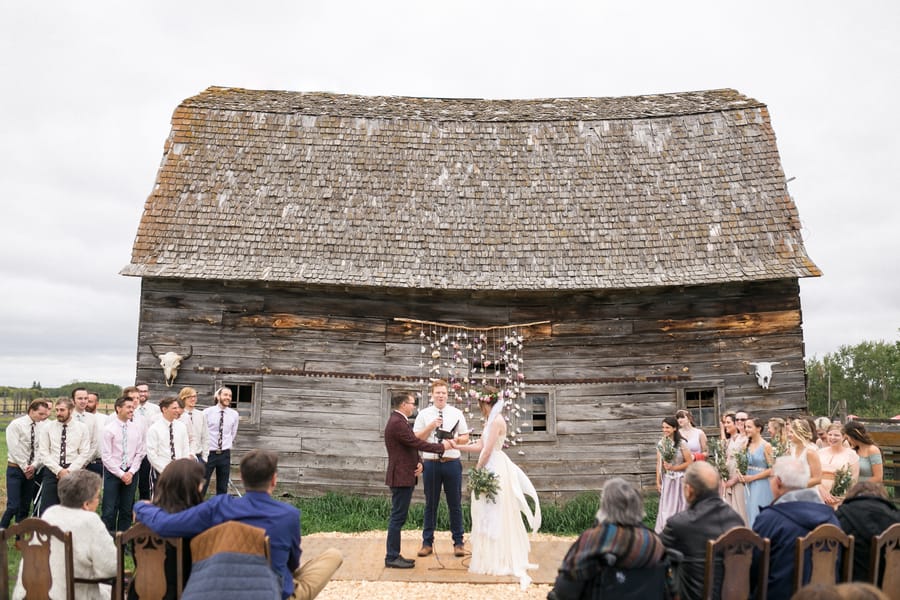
(735,547)
(824,543)
(33,539)
(887,543)
(230,536)
(149,577)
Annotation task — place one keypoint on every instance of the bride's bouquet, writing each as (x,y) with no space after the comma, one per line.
(482,481)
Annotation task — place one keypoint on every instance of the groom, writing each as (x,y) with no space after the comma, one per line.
(403,468)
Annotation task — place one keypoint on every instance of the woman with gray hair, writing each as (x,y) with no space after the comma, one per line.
(618,555)
(93,549)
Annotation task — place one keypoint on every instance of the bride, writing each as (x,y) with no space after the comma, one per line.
(499,539)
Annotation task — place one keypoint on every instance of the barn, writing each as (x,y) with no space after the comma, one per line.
(608,259)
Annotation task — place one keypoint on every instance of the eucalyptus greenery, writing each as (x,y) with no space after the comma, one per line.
(842,480)
(666,449)
(718,457)
(742,461)
(482,481)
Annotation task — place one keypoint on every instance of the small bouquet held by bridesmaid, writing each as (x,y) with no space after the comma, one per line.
(718,458)
(779,448)
(842,480)
(742,461)
(482,481)
(666,449)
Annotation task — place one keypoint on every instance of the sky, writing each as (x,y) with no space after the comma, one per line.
(89,88)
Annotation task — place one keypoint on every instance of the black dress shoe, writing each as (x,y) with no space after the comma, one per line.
(400,563)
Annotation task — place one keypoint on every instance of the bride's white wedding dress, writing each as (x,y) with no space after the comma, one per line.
(499,540)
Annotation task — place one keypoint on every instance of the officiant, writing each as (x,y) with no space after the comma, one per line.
(435,423)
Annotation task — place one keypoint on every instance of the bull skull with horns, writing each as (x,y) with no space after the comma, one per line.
(170,363)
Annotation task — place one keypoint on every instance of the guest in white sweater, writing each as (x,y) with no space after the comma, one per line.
(93,548)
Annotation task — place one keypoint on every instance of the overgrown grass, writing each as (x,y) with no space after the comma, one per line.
(342,513)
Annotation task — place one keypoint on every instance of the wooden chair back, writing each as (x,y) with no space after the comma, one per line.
(887,544)
(33,539)
(733,550)
(230,536)
(149,577)
(826,544)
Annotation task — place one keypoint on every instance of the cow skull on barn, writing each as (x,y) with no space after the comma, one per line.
(763,373)
(170,362)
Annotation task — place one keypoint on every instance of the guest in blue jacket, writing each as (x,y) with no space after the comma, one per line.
(257,507)
(796,511)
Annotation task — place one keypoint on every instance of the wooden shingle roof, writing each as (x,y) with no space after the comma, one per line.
(572,193)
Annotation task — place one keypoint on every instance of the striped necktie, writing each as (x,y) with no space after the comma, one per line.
(171,441)
(31,453)
(62,445)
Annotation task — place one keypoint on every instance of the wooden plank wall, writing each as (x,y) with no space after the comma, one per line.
(328,429)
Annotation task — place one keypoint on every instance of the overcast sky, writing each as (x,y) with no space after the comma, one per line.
(88,91)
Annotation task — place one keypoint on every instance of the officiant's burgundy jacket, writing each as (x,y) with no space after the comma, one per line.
(403,451)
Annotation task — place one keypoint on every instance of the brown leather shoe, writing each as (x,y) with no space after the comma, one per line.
(459,550)
(426,550)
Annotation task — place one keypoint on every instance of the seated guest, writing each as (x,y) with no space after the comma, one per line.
(796,511)
(93,549)
(619,537)
(865,513)
(257,507)
(707,517)
(177,489)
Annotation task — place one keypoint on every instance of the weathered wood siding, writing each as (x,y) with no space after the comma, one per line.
(327,429)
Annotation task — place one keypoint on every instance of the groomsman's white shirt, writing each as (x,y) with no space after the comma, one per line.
(198,432)
(78,445)
(159,452)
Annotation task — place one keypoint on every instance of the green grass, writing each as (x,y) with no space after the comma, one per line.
(347,514)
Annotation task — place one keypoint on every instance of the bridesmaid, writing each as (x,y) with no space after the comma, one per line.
(693,436)
(759,459)
(803,449)
(735,442)
(778,433)
(833,457)
(670,476)
(871,465)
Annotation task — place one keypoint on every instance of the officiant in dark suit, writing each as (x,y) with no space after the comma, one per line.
(403,468)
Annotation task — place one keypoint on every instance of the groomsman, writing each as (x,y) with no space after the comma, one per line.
(147,412)
(198,432)
(64,445)
(222,422)
(167,438)
(21,440)
(80,398)
(122,450)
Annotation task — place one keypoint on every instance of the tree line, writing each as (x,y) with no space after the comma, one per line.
(107,391)
(866,376)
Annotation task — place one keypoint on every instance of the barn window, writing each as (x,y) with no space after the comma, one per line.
(245,399)
(538,421)
(703,403)
(387,392)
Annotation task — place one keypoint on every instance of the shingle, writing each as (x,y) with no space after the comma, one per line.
(672,189)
